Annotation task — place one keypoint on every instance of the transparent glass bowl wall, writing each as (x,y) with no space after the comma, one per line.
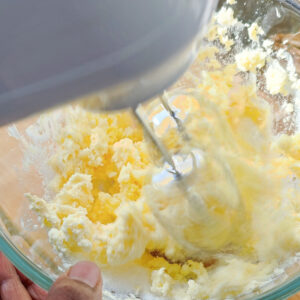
(26,245)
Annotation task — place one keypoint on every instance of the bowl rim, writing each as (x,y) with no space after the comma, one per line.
(23,263)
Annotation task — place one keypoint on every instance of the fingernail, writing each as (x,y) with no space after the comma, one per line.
(86,272)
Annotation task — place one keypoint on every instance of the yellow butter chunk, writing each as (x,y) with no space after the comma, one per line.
(254,31)
(276,79)
(100,165)
(251,59)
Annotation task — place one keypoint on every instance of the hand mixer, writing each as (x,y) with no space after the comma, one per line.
(129,51)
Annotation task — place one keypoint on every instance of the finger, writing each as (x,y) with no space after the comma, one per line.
(82,282)
(11,287)
(34,290)
(26,282)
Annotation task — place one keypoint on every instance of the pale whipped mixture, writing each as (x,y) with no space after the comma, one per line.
(103,203)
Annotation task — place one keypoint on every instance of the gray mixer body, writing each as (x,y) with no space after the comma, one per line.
(53,51)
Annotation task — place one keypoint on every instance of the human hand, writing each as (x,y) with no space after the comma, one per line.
(82,282)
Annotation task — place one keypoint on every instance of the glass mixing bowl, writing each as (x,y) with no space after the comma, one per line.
(26,244)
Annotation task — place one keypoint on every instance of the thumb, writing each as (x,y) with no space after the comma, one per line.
(82,282)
